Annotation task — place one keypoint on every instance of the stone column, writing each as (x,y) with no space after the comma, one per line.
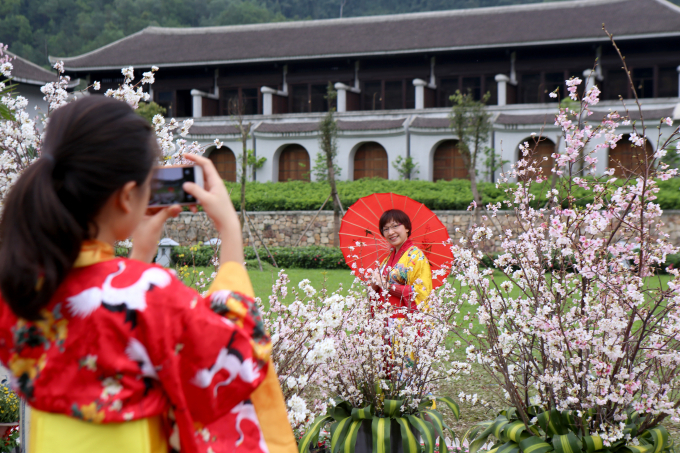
(268,100)
(342,96)
(589,79)
(420,85)
(197,104)
(502,81)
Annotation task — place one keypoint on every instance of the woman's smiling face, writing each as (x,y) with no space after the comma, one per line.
(395,233)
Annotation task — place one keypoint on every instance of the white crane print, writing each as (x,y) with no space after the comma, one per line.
(231,361)
(246,411)
(132,297)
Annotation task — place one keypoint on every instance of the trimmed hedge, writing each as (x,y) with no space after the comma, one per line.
(441,195)
(317,257)
(313,257)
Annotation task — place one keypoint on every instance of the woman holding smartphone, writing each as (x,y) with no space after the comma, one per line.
(118,355)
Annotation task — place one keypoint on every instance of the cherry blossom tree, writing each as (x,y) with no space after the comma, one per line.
(580,335)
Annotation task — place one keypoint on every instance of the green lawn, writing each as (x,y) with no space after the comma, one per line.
(262,281)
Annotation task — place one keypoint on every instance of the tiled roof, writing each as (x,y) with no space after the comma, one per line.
(506,26)
(431,123)
(549,118)
(370,125)
(213,130)
(283,128)
(26,72)
(540,118)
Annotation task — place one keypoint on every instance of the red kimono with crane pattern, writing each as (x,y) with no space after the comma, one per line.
(124,340)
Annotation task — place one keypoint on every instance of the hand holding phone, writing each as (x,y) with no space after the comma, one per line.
(216,203)
(167,185)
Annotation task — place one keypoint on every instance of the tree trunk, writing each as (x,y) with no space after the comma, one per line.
(334,197)
(475,193)
(244,168)
(473,188)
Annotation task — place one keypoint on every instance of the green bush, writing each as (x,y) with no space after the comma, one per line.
(198,255)
(672,262)
(441,195)
(122,252)
(314,257)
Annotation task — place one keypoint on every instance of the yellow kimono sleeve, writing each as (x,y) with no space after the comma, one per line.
(268,398)
(420,277)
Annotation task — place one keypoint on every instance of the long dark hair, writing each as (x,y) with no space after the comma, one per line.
(92,148)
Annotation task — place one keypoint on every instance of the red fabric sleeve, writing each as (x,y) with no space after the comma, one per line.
(401,293)
(210,354)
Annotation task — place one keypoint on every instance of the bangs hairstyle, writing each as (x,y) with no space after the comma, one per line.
(396,215)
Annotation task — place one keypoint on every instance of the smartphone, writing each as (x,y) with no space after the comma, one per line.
(166,185)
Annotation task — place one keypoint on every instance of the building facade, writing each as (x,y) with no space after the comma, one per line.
(394,76)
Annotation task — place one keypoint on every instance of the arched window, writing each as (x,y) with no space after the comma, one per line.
(627,157)
(448,162)
(294,164)
(225,163)
(542,150)
(370,161)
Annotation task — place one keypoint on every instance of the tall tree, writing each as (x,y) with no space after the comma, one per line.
(328,142)
(470,123)
(236,109)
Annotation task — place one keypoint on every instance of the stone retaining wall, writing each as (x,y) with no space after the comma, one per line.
(283,228)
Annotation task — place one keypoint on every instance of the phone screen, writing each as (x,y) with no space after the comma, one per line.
(166,186)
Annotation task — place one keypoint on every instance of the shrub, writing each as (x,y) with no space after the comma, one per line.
(9,403)
(122,252)
(196,255)
(441,195)
(314,257)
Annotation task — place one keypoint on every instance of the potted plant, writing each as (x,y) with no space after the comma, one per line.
(382,375)
(9,418)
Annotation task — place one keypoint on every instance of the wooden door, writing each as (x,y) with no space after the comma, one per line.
(225,163)
(448,162)
(370,161)
(627,158)
(294,164)
(541,157)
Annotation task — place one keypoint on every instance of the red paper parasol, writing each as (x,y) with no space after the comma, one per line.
(364,247)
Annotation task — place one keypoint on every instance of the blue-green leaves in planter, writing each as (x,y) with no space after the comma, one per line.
(563,432)
(426,423)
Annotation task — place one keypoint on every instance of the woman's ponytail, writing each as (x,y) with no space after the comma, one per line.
(92,148)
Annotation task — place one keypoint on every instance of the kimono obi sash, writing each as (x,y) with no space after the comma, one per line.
(47,431)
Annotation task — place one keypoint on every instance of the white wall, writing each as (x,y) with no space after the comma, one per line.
(35,98)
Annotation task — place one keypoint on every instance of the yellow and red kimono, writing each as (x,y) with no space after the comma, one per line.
(128,359)
(408,276)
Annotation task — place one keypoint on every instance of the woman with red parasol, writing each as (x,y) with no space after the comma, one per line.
(395,243)
(405,273)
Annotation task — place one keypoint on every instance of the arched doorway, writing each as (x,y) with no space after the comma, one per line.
(626,157)
(294,164)
(370,161)
(542,150)
(225,163)
(448,162)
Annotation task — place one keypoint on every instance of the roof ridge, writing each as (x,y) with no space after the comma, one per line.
(97,50)
(553,4)
(669,5)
